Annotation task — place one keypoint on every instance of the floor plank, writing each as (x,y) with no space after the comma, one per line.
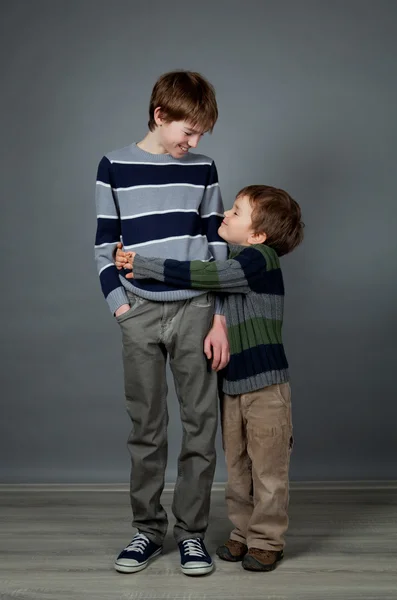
(61,543)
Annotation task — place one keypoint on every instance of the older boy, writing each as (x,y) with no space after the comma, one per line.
(161,200)
(263,224)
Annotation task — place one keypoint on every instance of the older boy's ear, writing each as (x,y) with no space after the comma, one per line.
(158,116)
(258,238)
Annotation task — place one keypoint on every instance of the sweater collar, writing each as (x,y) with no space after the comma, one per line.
(235,249)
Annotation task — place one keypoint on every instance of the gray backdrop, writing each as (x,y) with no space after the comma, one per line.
(307,99)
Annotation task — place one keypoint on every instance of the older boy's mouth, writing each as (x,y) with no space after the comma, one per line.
(184,148)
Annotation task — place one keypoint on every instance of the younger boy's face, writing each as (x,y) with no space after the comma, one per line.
(178,137)
(236,227)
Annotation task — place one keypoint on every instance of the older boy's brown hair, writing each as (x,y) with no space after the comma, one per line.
(276,214)
(184,95)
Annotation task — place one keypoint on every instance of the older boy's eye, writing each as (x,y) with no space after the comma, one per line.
(187,133)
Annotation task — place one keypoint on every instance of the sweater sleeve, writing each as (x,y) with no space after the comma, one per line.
(238,275)
(107,235)
(211,214)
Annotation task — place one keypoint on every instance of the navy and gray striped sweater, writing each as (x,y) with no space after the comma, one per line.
(156,205)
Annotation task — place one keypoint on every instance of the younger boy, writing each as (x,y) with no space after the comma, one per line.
(263,224)
(162,200)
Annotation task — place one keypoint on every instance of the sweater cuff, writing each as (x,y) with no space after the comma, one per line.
(117,298)
(148,268)
(218,306)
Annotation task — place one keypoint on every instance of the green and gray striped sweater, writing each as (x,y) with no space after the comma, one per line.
(253,306)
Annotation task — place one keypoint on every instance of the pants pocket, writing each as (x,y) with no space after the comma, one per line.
(134,302)
(284,393)
(203,301)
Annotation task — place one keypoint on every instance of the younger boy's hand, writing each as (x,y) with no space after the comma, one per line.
(130,265)
(216,344)
(122,258)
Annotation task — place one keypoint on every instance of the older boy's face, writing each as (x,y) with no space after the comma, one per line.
(236,227)
(178,137)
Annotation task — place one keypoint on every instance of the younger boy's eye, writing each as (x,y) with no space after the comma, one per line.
(187,133)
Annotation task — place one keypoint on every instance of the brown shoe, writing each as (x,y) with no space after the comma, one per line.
(261,560)
(232,551)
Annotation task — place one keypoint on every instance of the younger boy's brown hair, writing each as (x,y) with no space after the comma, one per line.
(276,214)
(184,96)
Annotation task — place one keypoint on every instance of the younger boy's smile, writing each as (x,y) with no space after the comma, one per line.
(236,227)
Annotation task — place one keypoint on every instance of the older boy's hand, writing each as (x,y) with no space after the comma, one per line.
(122,309)
(216,344)
(122,258)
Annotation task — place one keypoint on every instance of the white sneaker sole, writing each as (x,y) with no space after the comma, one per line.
(124,566)
(196,571)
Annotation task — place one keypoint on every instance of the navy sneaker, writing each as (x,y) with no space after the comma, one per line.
(195,559)
(137,554)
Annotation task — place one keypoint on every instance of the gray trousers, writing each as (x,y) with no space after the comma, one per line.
(150,332)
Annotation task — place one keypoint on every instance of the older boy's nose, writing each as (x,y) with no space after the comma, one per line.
(194,140)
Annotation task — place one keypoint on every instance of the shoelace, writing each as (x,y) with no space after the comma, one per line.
(138,543)
(193,548)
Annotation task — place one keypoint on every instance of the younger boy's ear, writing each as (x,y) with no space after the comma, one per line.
(257,238)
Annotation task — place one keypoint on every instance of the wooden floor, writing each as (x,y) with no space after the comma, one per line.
(60,543)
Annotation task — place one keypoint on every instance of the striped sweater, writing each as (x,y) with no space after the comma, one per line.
(253,307)
(156,205)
